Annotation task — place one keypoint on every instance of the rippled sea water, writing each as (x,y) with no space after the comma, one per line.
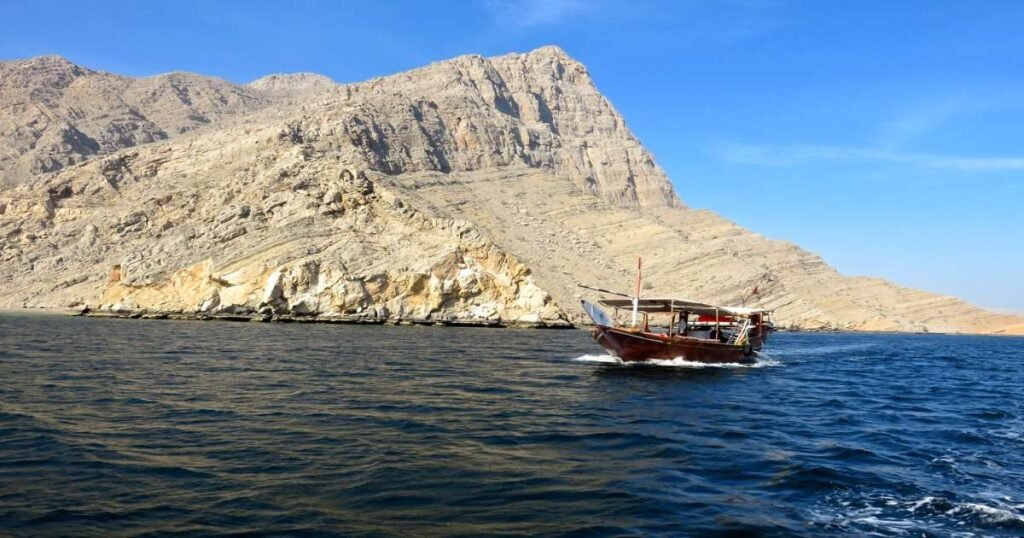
(130,427)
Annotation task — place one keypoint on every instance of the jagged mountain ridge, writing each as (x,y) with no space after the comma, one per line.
(291,82)
(520,153)
(55,113)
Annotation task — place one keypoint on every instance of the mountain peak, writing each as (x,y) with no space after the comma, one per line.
(292,82)
(53,70)
(551,51)
(49,60)
(551,61)
(51,64)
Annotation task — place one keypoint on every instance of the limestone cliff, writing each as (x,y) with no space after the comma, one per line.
(283,230)
(474,189)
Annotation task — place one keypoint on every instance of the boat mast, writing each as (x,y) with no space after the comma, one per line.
(636,296)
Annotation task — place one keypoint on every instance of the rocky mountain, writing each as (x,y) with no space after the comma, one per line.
(471,190)
(291,82)
(54,113)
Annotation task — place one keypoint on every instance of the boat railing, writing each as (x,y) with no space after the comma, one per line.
(739,337)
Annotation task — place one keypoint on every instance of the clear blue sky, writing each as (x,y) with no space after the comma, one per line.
(887,136)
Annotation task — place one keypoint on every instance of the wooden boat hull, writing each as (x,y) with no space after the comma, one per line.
(640,346)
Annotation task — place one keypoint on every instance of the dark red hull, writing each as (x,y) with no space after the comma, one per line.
(640,346)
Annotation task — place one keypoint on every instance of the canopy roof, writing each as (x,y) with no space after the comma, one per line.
(680,305)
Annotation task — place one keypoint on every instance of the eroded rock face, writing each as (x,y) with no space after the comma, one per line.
(474,189)
(468,114)
(286,232)
(467,282)
(57,114)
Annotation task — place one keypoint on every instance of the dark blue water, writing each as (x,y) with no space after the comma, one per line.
(119,427)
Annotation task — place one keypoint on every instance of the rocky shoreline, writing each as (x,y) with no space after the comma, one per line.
(331,319)
(363,320)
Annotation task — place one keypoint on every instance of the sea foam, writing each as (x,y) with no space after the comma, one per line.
(678,362)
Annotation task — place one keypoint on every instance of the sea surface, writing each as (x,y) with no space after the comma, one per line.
(157,428)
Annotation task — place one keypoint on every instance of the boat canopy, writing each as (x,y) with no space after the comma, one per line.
(668,306)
